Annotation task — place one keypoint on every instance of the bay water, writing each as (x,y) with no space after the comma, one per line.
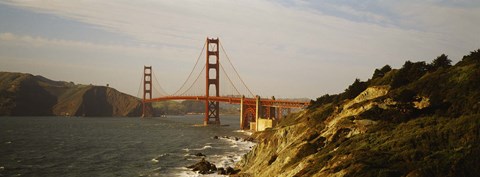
(113,146)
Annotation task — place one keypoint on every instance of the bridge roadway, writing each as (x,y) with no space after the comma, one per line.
(236,100)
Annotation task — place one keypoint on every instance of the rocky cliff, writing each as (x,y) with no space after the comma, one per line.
(420,120)
(29,95)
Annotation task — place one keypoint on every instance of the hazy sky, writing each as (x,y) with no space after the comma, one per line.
(287,48)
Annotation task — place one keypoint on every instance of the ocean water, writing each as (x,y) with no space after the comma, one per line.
(67,146)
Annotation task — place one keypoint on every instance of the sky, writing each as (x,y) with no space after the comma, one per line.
(285,48)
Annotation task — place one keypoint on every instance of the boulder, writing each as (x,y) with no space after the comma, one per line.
(199,154)
(203,167)
(251,139)
(231,171)
(221,171)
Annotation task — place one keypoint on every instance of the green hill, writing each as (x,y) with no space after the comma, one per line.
(419,120)
(28,95)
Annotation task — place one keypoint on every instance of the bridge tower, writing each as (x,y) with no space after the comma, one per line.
(212,78)
(147,90)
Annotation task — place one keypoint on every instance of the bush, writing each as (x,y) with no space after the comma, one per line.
(410,71)
(441,61)
(473,57)
(325,99)
(381,72)
(353,90)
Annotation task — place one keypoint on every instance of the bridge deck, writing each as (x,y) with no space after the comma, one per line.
(236,100)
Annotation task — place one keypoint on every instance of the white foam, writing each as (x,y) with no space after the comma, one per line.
(184,172)
(161,155)
(230,158)
(202,148)
(155,160)
(246,132)
(205,147)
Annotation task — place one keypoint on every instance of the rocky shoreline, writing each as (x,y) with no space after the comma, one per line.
(206,167)
(419,120)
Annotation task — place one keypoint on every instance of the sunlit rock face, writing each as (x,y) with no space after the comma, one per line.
(415,121)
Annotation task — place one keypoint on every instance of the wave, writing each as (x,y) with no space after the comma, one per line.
(155,160)
(241,146)
(203,148)
(246,132)
(197,149)
(228,150)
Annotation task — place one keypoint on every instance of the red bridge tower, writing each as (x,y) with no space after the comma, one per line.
(147,90)
(212,78)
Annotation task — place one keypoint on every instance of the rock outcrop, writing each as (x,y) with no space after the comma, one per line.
(292,148)
(420,120)
(28,95)
(345,144)
(203,167)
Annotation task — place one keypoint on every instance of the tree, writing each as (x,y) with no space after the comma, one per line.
(194,106)
(353,90)
(441,61)
(386,68)
(325,99)
(409,72)
(474,57)
(381,72)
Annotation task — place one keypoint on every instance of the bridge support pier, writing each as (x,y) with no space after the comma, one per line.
(279,113)
(247,114)
(147,91)
(212,108)
(272,111)
(242,121)
(258,111)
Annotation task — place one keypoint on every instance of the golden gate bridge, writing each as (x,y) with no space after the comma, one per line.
(212,84)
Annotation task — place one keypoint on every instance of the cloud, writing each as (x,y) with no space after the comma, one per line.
(288,40)
(140,51)
(86,62)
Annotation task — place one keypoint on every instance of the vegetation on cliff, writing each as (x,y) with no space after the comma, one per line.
(419,120)
(28,95)
(189,107)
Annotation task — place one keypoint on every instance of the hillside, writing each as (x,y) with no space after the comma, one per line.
(190,107)
(419,120)
(28,95)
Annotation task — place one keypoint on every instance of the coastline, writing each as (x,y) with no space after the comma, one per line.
(242,143)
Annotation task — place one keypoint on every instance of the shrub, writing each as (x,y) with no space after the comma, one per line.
(381,72)
(410,71)
(441,61)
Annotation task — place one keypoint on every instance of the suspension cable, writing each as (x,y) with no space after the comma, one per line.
(161,91)
(229,79)
(140,87)
(196,63)
(235,69)
(195,80)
